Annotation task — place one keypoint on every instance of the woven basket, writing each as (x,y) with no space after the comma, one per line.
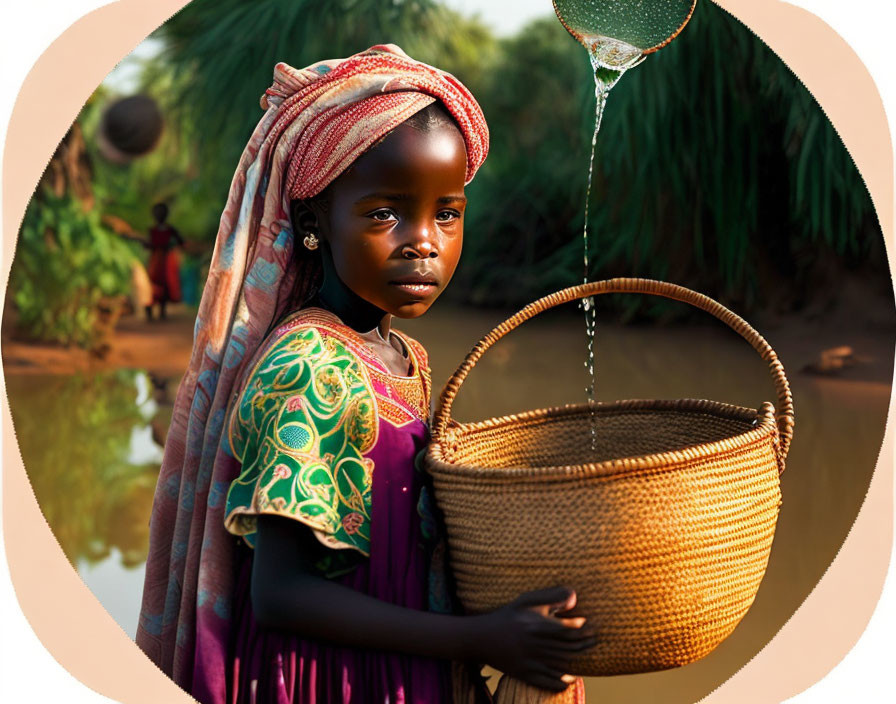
(663,529)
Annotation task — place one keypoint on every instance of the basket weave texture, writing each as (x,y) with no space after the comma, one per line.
(663,526)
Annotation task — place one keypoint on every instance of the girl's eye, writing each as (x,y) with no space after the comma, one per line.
(384,215)
(447,215)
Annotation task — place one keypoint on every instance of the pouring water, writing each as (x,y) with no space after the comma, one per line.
(618,35)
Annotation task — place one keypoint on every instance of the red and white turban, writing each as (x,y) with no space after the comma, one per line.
(331,113)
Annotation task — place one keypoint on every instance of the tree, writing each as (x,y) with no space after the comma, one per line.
(71,272)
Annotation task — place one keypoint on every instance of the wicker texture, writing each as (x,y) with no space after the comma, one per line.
(664,528)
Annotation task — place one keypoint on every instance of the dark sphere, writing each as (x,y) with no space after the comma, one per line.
(131,127)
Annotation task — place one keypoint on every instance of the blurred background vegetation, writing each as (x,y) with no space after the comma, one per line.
(715,167)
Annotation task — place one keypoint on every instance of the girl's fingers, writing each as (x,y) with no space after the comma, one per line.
(560,656)
(554,630)
(567,636)
(546,683)
(553,678)
(576,622)
(557,663)
(567,647)
(566,605)
(549,611)
(546,597)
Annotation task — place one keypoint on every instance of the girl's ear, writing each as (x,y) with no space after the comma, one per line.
(304,219)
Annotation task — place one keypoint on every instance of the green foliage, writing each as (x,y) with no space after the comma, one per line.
(65,263)
(714,167)
(527,200)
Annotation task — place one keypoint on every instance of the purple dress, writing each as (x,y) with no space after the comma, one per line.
(327,436)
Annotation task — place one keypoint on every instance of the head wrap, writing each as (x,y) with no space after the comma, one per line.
(318,120)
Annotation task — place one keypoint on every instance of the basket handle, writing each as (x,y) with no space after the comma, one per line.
(784,418)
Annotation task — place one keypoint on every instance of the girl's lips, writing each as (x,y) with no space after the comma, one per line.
(415,278)
(415,288)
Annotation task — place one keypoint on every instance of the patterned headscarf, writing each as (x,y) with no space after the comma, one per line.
(318,120)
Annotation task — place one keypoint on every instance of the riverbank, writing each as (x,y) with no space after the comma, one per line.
(160,346)
(163,347)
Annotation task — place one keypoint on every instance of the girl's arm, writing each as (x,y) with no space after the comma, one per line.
(122,228)
(520,639)
(134,238)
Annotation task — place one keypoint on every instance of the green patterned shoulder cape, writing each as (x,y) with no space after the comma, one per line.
(301,426)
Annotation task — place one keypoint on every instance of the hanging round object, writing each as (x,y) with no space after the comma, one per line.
(130,128)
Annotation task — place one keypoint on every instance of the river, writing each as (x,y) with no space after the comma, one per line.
(90,443)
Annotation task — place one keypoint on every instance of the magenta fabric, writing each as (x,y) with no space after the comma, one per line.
(273,667)
(280,668)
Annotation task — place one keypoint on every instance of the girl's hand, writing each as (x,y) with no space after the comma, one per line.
(529,641)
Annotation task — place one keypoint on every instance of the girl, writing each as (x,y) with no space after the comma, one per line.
(159,282)
(163,264)
(291,537)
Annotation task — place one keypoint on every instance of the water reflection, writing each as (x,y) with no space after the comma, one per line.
(86,443)
(116,587)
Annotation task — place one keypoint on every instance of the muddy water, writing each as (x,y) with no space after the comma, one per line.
(88,446)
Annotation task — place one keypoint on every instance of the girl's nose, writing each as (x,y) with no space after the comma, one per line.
(423,249)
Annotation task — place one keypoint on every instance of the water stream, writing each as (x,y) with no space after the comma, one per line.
(610,59)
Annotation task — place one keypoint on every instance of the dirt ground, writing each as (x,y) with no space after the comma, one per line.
(159,346)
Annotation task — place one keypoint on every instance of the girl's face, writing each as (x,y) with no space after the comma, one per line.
(395,219)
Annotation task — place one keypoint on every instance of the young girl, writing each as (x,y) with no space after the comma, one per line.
(293,553)
(163,265)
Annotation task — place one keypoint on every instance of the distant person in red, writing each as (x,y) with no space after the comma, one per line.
(164,262)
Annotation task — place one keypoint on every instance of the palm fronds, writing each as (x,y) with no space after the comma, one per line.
(714,166)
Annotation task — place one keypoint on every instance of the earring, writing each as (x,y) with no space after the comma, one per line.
(311,241)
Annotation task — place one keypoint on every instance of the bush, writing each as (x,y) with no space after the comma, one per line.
(66,265)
